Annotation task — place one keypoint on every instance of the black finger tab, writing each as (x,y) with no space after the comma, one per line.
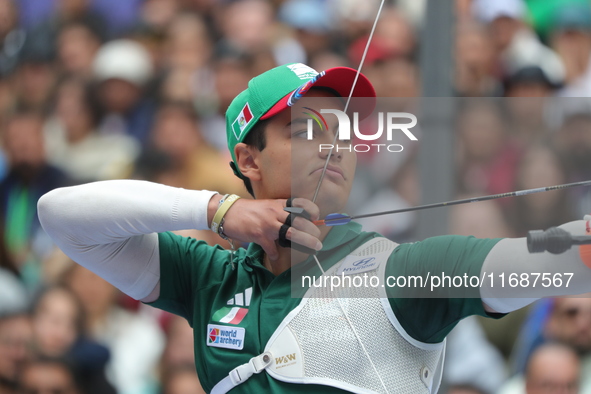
(297,211)
(283,241)
(286,243)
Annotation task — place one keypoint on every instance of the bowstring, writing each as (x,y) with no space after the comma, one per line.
(373,29)
(320,183)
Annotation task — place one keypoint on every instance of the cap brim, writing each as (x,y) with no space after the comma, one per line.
(339,79)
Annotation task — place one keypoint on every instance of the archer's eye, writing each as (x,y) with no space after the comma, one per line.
(303,134)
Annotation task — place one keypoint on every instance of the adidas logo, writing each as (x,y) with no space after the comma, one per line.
(241,299)
(234,313)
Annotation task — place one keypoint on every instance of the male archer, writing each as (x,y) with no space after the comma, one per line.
(250,334)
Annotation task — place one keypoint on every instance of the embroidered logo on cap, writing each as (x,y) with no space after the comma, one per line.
(303,71)
(299,92)
(242,120)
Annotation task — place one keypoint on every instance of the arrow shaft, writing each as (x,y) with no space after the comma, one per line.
(473,199)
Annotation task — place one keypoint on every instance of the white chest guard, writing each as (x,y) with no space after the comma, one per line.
(315,343)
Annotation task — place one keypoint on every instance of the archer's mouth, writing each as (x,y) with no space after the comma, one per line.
(332,171)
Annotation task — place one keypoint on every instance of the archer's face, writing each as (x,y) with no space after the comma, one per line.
(291,163)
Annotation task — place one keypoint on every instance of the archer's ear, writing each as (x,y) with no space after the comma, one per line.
(246,161)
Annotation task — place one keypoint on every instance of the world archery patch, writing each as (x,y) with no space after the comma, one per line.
(225,337)
(242,120)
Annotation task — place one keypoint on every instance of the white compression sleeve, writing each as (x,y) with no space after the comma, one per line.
(510,256)
(110,227)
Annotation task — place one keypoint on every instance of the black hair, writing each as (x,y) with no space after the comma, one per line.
(255,138)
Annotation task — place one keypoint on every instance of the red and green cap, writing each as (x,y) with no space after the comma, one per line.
(280,88)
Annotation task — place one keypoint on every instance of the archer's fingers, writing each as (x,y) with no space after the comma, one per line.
(309,206)
(303,238)
(306,226)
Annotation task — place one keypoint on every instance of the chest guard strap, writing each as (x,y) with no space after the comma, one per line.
(242,373)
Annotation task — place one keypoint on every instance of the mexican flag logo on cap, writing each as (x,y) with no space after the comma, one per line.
(242,120)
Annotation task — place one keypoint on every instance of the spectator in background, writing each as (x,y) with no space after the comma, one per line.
(399,79)
(399,189)
(121,16)
(540,166)
(515,43)
(75,146)
(471,359)
(29,177)
(57,321)
(563,320)
(354,18)
(394,39)
(311,23)
(13,295)
(247,27)
(570,323)
(529,89)
(475,62)
(482,220)
(571,39)
(529,81)
(231,76)
(58,327)
(46,375)
(190,77)
(77,44)
(12,37)
(134,339)
(72,31)
(179,344)
(182,380)
(178,360)
(328,59)
(552,368)
(15,349)
(188,45)
(158,15)
(122,71)
(395,34)
(486,160)
(196,165)
(573,141)
(35,77)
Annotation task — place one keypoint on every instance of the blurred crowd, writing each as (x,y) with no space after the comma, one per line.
(93,90)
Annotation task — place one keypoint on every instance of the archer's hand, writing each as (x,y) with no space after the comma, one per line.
(259,221)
